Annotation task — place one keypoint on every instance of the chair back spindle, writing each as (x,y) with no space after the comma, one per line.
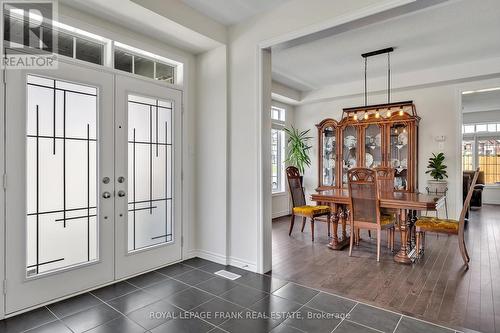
(295,185)
(385,179)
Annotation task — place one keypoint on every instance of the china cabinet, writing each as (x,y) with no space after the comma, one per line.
(370,136)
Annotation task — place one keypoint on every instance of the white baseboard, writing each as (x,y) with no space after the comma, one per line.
(208,255)
(221,259)
(249,266)
(280,214)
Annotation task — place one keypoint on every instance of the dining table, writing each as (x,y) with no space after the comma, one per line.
(406,203)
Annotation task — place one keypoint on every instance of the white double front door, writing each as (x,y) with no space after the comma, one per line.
(93,190)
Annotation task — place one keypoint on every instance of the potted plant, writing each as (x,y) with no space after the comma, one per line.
(298,149)
(437,170)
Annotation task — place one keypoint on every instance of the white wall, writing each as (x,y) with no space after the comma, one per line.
(481,117)
(281,204)
(491,195)
(211,162)
(439,108)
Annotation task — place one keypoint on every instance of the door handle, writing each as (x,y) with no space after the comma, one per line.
(121,193)
(106,195)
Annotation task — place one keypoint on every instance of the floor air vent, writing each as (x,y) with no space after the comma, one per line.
(227,275)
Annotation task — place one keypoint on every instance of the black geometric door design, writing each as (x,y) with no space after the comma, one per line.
(61,160)
(149,172)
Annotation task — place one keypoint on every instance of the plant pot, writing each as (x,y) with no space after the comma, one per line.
(437,186)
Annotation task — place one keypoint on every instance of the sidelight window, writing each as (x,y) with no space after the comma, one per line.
(277,149)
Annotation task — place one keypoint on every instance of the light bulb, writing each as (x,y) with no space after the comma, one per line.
(388,113)
(366,115)
(377,115)
(401,112)
(355,117)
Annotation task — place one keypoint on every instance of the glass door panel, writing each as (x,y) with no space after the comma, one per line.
(149,172)
(373,146)
(398,140)
(467,155)
(61,175)
(329,156)
(350,153)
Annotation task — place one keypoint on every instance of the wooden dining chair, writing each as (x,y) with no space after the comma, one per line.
(299,203)
(364,199)
(446,226)
(385,182)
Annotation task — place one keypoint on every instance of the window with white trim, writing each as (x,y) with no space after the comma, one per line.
(481,148)
(82,45)
(129,59)
(277,149)
(71,42)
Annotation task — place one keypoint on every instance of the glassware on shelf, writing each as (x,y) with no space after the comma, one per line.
(373,146)
(329,157)
(399,154)
(349,159)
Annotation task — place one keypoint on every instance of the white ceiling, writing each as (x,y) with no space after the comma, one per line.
(450,33)
(230,12)
(481,101)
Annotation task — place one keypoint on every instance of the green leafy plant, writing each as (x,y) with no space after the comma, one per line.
(436,167)
(298,148)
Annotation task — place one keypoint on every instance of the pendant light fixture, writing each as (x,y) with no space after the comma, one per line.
(372,54)
(386,110)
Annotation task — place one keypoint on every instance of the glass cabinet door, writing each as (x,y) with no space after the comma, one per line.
(373,146)
(398,141)
(329,157)
(349,151)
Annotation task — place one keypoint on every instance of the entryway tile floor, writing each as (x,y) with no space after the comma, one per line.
(189,297)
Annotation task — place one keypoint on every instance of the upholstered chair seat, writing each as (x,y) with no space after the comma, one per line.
(310,211)
(428,223)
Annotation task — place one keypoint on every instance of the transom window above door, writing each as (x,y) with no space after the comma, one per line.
(82,45)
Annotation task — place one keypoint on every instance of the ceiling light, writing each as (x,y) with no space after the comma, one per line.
(479,91)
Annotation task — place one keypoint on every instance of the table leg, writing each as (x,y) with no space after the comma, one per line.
(403,254)
(338,217)
(413,220)
(334,242)
(345,215)
(409,229)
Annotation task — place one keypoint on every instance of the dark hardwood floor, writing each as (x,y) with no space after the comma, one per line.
(437,288)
